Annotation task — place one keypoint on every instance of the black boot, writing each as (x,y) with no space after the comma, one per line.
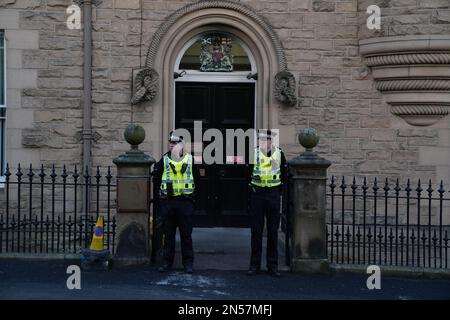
(252,271)
(164,268)
(189,269)
(274,272)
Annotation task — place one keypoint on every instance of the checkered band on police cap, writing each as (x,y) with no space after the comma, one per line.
(174,137)
(266,134)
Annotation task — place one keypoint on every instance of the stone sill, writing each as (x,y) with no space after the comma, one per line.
(41,256)
(391,271)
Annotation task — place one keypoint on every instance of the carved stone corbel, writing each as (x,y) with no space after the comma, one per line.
(413,74)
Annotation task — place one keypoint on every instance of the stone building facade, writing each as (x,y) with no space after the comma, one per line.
(379,103)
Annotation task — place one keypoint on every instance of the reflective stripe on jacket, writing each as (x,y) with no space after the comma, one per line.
(182,182)
(267,170)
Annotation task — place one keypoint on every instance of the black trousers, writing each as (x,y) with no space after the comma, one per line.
(265,204)
(177,213)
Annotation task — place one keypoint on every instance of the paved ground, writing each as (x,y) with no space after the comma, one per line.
(223,249)
(47,280)
(221,258)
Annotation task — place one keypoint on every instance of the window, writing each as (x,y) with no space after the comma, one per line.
(215,52)
(2,103)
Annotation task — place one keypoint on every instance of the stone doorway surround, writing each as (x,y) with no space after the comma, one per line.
(275,85)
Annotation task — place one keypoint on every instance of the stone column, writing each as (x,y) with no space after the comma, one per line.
(308,192)
(133,201)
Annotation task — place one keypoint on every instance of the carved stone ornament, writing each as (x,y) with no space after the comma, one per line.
(82,2)
(146,83)
(413,74)
(285,88)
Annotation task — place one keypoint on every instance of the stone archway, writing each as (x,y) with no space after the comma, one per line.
(155,82)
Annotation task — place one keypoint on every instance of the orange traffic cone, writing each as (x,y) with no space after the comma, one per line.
(97,237)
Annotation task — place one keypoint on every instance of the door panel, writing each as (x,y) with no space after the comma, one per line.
(193,102)
(235,106)
(235,110)
(221,198)
(232,201)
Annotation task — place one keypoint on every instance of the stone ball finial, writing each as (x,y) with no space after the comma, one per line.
(134,134)
(308,138)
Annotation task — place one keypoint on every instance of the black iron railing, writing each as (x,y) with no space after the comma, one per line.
(388,224)
(42,212)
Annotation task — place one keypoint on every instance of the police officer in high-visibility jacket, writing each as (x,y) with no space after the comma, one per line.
(175,176)
(267,175)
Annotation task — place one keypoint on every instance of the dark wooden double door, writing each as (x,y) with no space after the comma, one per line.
(222,192)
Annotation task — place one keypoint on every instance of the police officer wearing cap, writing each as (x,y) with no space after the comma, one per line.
(267,175)
(175,176)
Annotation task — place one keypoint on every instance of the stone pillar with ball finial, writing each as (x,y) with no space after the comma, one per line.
(133,201)
(308,192)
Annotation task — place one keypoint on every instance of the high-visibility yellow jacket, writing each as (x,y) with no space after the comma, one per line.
(267,170)
(182,180)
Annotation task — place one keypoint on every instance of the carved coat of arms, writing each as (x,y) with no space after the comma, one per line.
(216,54)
